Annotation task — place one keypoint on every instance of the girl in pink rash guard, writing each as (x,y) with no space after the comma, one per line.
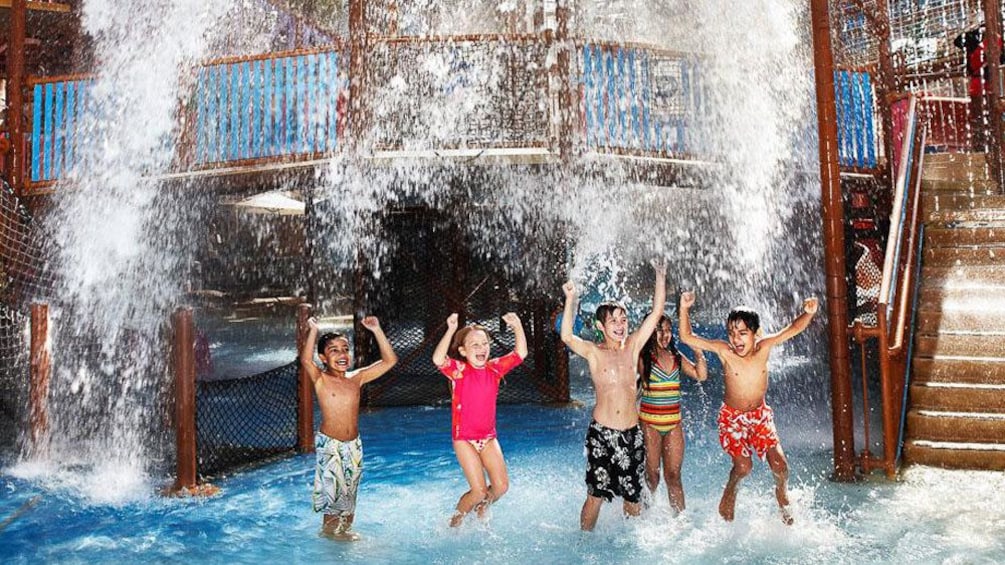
(474,380)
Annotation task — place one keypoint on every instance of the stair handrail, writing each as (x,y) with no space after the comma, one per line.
(898,285)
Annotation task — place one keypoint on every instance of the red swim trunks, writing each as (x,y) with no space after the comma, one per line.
(740,432)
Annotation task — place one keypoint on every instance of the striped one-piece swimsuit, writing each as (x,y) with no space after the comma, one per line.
(660,405)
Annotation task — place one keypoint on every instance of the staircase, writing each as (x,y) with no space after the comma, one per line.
(956,417)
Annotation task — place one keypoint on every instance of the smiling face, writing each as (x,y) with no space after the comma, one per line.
(475,348)
(664,334)
(335,354)
(615,325)
(741,338)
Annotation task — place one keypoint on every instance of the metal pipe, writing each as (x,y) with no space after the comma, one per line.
(305,388)
(834,247)
(15,101)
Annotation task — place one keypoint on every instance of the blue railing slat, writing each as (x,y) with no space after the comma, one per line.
(36,135)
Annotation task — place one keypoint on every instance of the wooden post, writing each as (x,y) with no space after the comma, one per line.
(15,85)
(881,21)
(992,56)
(41,370)
(357,112)
(563,63)
(305,389)
(834,247)
(183,357)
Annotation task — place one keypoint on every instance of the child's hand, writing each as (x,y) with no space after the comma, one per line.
(452,322)
(659,265)
(312,323)
(687,299)
(569,288)
(810,305)
(371,323)
(512,320)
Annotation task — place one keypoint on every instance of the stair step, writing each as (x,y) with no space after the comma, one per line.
(952,256)
(955,166)
(955,456)
(962,275)
(958,371)
(991,236)
(933,321)
(960,201)
(968,185)
(972,215)
(934,296)
(956,397)
(969,427)
(960,345)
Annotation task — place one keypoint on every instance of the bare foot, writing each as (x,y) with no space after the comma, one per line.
(727,505)
(456,519)
(787,518)
(342,535)
(783,504)
(481,509)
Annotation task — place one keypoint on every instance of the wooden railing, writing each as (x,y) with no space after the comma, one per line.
(893,333)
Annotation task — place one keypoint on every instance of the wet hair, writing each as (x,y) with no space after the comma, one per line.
(649,351)
(744,314)
(607,309)
(326,338)
(461,335)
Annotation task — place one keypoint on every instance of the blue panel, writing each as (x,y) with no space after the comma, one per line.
(58,131)
(242,110)
(620,99)
(200,114)
(233,129)
(289,107)
(301,107)
(70,138)
(334,88)
(870,132)
(686,68)
(48,133)
(223,140)
(633,93)
(36,134)
(610,115)
(587,90)
(599,84)
(312,101)
(647,141)
(268,112)
(858,99)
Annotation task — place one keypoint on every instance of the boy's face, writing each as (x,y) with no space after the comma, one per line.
(741,339)
(615,327)
(475,349)
(336,355)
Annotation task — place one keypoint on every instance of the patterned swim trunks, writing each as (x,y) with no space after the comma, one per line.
(336,476)
(741,433)
(615,462)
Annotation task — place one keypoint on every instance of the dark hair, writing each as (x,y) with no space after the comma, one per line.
(606,309)
(648,354)
(744,314)
(324,339)
(458,341)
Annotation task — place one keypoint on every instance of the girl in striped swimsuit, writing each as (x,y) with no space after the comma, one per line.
(660,365)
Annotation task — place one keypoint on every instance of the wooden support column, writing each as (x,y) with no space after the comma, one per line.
(357,114)
(15,99)
(567,109)
(183,357)
(834,247)
(305,388)
(992,56)
(881,29)
(41,371)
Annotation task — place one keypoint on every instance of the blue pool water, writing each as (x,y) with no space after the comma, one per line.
(412,482)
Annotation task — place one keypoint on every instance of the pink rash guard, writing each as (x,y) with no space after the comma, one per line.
(473,403)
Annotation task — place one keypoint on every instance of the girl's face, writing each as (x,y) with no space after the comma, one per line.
(475,349)
(664,334)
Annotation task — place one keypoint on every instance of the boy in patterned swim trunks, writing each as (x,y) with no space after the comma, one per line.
(339,449)
(746,423)
(615,450)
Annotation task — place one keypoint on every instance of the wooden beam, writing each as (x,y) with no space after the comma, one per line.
(40,6)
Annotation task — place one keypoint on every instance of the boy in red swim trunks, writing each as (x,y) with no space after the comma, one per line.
(746,423)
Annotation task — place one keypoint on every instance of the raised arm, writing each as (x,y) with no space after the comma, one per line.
(440,353)
(810,306)
(697,369)
(513,321)
(388,358)
(648,325)
(687,335)
(578,345)
(307,351)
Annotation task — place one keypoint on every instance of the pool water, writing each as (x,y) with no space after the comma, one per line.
(412,481)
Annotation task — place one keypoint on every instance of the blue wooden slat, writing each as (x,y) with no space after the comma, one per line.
(636,136)
(311,103)
(47,133)
(849,134)
(587,92)
(58,131)
(599,85)
(201,91)
(646,97)
(289,107)
(242,110)
(234,100)
(70,140)
(258,108)
(870,131)
(620,99)
(36,134)
(842,126)
(325,88)
(302,104)
(686,70)
(216,104)
(223,87)
(270,107)
(858,98)
(331,100)
(333,127)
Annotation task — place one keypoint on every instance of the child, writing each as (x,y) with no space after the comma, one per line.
(615,451)
(746,423)
(339,449)
(660,365)
(474,381)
